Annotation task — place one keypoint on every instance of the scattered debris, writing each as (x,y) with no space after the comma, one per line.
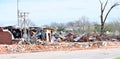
(63,46)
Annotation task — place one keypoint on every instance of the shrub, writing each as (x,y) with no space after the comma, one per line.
(117,58)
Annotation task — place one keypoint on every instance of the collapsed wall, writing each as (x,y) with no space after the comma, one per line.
(5,37)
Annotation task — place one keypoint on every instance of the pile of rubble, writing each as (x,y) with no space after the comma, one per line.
(113,44)
(63,46)
(20,48)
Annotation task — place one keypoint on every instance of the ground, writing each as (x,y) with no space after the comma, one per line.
(81,54)
(110,50)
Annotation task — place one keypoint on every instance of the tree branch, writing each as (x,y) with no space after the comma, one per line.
(116,4)
(105,5)
(100,1)
(101,5)
(101,11)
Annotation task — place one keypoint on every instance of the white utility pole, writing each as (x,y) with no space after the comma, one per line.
(18,12)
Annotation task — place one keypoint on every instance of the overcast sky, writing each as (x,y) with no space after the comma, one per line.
(47,11)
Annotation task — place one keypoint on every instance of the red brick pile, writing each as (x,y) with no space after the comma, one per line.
(54,47)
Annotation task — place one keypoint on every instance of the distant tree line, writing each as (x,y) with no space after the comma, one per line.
(82,25)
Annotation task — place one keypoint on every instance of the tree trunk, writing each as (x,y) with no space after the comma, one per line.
(103,20)
(102,28)
(102,23)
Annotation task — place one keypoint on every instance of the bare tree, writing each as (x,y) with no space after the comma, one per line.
(54,25)
(85,23)
(80,26)
(104,17)
(71,25)
(115,26)
(58,26)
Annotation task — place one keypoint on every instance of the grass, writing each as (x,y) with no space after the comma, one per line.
(117,58)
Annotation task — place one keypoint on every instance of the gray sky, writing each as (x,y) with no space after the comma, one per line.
(47,11)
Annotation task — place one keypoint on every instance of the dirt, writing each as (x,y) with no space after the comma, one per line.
(63,46)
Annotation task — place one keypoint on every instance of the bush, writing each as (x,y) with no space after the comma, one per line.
(117,58)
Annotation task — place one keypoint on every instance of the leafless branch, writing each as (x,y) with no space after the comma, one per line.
(114,5)
(101,5)
(105,5)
